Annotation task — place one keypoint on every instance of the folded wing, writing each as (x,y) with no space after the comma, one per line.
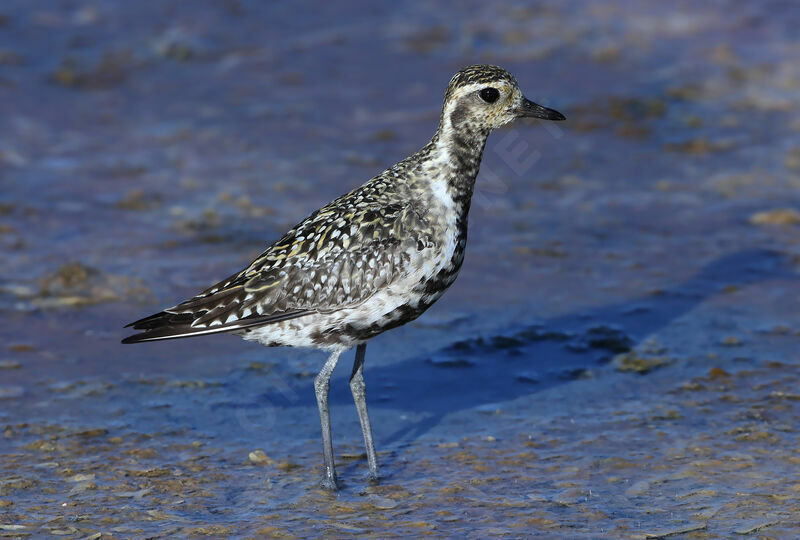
(337,258)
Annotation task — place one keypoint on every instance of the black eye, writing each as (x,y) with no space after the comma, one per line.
(489,95)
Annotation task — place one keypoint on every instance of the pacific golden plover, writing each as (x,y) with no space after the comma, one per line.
(371,260)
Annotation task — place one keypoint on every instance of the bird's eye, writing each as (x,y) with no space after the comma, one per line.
(489,95)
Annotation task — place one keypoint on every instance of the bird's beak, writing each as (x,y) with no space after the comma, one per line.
(529,109)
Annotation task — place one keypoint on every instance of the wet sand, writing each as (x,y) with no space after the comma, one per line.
(619,357)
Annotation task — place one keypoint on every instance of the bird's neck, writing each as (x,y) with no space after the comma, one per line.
(456,154)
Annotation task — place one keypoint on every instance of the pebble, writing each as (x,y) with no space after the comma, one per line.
(731,341)
(259,457)
(754,527)
(63,532)
(691,527)
(349,528)
(778,216)
(81,477)
(134,494)
(12,527)
(709,512)
(384,503)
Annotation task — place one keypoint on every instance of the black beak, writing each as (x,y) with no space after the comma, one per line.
(530,109)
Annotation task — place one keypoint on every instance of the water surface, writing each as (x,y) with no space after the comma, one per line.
(617,359)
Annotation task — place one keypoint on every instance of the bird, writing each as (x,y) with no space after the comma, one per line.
(371,260)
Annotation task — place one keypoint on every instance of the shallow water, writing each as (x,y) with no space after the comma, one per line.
(617,359)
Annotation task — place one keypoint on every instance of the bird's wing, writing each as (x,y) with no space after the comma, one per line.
(336,258)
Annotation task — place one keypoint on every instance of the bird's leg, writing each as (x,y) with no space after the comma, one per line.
(358,388)
(321,387)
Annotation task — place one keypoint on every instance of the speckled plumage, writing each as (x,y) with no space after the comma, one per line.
(373,259)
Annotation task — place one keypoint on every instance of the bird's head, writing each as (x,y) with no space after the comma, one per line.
(482,98)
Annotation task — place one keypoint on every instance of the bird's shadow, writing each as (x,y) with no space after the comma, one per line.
(490,369)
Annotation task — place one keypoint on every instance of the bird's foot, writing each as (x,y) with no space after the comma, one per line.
(329,483)
(374,478)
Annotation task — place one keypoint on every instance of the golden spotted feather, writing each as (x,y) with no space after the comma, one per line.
(336,258)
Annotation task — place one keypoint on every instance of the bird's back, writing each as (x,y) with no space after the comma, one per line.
(335,259)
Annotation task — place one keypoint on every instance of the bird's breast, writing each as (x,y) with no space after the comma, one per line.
(449,220)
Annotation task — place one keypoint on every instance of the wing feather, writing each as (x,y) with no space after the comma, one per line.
(336,258)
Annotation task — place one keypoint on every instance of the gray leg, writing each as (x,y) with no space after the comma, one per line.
(321,387)
(358,388)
